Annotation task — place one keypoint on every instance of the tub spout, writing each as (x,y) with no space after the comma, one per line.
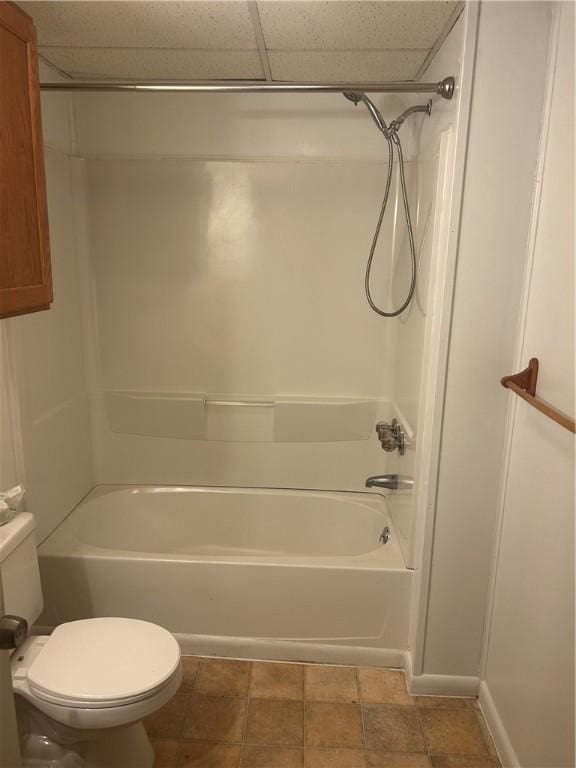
(392,482)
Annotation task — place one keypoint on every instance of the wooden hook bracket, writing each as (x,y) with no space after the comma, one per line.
(524,385)
(526,379)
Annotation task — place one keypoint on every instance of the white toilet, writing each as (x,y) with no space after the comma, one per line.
(82,692)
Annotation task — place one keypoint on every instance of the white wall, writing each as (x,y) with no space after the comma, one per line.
(529,669)
(48,350)
(11,472)
(507,103)
(11,469)
(14,469)
(227,237)
(9,742)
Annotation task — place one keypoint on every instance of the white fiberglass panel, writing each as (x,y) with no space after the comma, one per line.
(237,277)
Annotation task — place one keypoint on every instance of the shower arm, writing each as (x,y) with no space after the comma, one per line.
(427,108)
(389,131)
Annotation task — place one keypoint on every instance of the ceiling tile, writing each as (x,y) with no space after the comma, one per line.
(198,24)
(155,64)
(345,66)
(342,25)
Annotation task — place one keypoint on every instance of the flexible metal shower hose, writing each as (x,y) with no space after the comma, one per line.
(392,139)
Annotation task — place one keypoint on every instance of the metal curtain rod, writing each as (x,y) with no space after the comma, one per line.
(444,88)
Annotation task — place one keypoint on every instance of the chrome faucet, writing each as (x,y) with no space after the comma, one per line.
(391,436)
(392,482)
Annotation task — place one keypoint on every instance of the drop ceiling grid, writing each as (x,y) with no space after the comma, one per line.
(345,66)
(235,39)
(204,25)
(259,35)
(155,63)
(358,25)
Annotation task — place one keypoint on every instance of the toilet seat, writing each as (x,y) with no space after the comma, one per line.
(113,709)
(103,662)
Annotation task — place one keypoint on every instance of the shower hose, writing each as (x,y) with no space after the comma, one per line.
(393,140)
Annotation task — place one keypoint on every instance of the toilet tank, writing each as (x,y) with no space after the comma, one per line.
(19,572)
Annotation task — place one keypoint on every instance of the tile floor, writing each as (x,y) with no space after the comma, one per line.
(242,714)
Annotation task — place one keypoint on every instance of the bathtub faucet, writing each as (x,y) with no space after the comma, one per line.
(392,482)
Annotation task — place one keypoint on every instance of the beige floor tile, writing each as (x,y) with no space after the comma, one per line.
(445,702)
(271,757)
(166,751)
(213,718)
(222,677)
(190,667)
(167,722)
(458,761)
(383,686)
(324,683)
(206,754)
(453,732)
(277,681)
(275,723)
(392,728)
(333,725)
(378,759)
(335,758)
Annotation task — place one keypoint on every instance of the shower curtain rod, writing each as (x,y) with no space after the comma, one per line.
(444,88)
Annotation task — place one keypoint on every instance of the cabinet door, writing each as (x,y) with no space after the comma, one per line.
(25,275)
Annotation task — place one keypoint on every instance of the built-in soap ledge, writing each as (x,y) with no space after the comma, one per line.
(240,418)
(157,414)
(318,420)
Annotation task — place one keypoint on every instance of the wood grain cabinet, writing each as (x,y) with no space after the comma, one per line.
(25,274)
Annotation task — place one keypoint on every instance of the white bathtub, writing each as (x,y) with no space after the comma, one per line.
(266,573)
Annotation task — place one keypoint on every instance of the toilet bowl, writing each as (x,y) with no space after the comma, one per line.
(83,691)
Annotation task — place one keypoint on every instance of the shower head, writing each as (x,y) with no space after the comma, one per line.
(355,97)
(388,130)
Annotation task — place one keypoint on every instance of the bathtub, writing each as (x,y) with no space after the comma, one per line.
(231,571)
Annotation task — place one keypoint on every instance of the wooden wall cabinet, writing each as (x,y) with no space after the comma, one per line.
(25,273)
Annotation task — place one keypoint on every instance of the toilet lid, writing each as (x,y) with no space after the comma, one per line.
(103,662)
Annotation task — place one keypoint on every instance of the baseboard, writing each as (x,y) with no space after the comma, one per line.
(439,685)
(496,727)
(287,650)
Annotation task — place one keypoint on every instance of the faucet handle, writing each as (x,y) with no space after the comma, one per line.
(391,436)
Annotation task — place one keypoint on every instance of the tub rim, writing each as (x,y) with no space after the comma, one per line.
(62,541)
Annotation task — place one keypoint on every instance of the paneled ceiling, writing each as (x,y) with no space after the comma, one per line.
(223,39)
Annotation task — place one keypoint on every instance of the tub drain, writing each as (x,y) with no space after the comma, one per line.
(385,535)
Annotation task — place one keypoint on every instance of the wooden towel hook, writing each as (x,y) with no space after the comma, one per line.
(526,379)
(524,385)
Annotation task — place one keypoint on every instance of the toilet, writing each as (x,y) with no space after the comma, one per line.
(82,692)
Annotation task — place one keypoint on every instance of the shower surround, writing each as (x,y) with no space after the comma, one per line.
(221,244)
(229,345)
